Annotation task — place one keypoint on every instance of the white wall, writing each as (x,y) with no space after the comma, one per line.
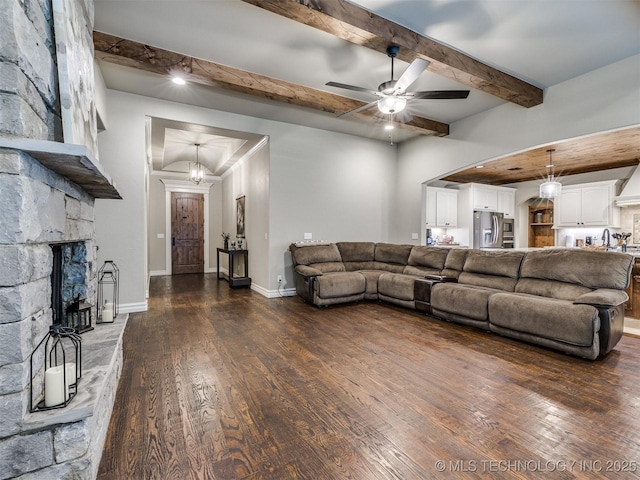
(250,177)
(601,100)
(121,232)
(336,186)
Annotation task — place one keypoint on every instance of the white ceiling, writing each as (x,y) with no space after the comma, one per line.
(543,42)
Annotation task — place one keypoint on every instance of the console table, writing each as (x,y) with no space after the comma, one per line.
(233,279)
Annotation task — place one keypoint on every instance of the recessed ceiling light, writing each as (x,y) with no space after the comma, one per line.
(479,166)
(178,80)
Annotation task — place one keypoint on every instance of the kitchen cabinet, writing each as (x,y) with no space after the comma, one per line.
(541,225)
(507,203)
(588,205)
(485,198)
(441,207)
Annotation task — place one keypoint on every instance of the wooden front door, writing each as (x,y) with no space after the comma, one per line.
(187,233)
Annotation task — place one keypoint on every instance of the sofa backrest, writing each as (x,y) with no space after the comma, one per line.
(357,255)
(492,269)
(425,260)
(454,263)
(588,268)
(325,258)
(391,257)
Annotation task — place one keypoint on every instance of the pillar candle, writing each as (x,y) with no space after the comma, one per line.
(107,315)
(70,371)
(55,391)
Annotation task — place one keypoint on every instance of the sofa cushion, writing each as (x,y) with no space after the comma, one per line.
(554,319)
(315,254)
(392,254)
(396,285)
(341,284)
(590,268)
(550,288)
(503,264)
(356,251)
(420,271)
(488,281)
(371,282)
(463,300)
(357,255)
(431,257)
(454,263)
(328,267)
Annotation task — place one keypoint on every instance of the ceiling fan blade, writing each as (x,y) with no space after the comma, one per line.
(359,109)
(351,87)
(440,94)
(411,74)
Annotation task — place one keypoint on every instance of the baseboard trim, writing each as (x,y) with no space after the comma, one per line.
(133,307)
(157,273)
(211,270)
(283,292)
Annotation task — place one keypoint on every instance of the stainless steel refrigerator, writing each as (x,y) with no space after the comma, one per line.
(487,229)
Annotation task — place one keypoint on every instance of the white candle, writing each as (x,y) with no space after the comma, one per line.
(107,315)
(70,371)
(55,391)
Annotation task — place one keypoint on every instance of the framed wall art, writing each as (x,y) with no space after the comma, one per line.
(240,216)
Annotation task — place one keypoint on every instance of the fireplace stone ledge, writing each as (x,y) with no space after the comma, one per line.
(71,161)
(79,430)
(101,348)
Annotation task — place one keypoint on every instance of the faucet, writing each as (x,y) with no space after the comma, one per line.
(607,235)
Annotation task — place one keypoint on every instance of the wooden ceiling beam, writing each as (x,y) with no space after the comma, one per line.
(128,53)
(357,25)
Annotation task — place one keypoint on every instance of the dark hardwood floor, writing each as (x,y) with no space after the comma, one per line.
(226,384)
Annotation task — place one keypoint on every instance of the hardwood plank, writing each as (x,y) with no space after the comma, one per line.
(220,383)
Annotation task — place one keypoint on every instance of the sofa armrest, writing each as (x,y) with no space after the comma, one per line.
(305,277)
(603,297)
(307,271)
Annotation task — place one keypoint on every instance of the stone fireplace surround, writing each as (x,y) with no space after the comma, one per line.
(47,194)
(40,208)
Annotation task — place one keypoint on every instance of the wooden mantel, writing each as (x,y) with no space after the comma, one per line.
(72,161)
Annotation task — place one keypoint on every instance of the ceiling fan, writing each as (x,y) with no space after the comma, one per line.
(392,95)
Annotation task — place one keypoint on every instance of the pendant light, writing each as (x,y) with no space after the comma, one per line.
(196,171)
(551,188)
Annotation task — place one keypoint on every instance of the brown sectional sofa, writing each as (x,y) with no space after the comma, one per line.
(567,299)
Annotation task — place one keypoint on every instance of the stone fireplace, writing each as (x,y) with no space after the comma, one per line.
(47,192)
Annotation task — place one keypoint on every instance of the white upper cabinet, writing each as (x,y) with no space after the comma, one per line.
(507,202)
(447,208)
(442,207)
(588,205)
(431,207)
(485,198)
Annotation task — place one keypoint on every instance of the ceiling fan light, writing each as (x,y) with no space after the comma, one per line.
(550,188)
(390,105)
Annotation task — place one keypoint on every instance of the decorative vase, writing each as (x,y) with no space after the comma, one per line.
(226,244)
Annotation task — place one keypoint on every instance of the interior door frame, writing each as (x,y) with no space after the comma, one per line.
(185,186)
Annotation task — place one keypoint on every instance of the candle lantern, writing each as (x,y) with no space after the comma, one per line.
(55,368)
(108,277)
(79,315)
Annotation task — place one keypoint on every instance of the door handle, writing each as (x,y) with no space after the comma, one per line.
(173,241)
